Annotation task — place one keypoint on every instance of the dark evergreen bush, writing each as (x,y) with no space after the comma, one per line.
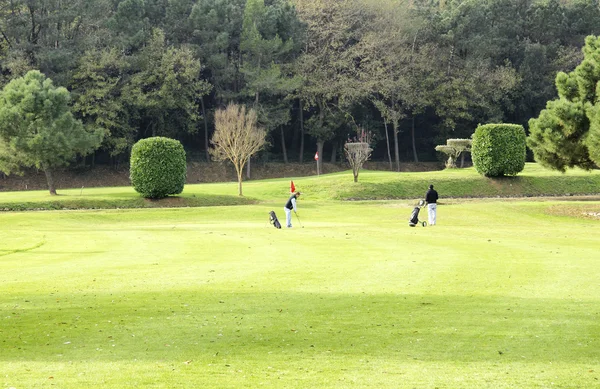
(158,167)
(499,149)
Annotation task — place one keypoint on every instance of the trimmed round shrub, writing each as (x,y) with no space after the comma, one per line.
(499,149)
(158,167)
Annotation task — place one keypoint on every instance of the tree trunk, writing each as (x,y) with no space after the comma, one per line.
(412,128)
(451,162)
(285,158)
(206,145)
(396,147)
(33,35)
(49,179)
(248,168)
(414,146)
(301,159)
(334,152)
(239,175)
(295,144)
(462,160)
(450,61)
(387,142)
(58,26)
(320,151)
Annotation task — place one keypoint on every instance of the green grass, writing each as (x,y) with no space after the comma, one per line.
(500,294)
(372,185)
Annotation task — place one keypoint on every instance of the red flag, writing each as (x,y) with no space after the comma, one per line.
(317,156)
(292,187)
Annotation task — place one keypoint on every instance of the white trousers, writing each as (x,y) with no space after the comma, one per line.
(431,212)
(288,217)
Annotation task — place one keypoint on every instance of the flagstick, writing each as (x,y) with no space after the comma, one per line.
(317,160)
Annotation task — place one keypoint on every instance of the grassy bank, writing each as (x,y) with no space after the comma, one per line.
(372,185)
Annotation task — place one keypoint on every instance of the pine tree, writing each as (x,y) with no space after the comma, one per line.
(37,128)
(567,132)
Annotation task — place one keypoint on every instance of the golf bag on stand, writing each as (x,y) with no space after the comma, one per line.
(273,220)
(414,217)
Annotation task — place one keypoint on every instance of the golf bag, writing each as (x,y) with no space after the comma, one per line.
(273,220)
(414,217)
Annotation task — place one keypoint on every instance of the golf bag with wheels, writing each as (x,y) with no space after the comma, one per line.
(414,217)
(273,220)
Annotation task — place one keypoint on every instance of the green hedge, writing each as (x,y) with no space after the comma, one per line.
(499,149)
(158,167)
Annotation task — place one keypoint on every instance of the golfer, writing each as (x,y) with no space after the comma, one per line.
(289,206)
(431,198)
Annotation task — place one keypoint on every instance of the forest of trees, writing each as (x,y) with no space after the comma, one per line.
(412,72)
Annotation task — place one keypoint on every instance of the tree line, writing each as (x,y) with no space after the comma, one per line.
(413,73)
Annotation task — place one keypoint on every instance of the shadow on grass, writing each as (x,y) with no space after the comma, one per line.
(200,324)
(71,202)
(4,252)
(479,186)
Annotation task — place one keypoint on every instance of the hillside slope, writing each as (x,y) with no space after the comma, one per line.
(534,181)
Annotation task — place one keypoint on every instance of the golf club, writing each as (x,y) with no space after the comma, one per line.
(298,217)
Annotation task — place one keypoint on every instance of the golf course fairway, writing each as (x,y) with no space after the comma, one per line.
(499,294)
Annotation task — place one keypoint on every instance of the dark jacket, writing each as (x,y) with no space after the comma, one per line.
(289,204)
(431,197)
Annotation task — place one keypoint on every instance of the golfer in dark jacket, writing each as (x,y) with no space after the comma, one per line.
(289,206)
(431,198)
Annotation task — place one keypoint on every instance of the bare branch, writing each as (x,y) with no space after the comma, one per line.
(358,151)
(237,137)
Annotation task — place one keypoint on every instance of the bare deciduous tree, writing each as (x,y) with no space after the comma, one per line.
(358,151)
(237,137)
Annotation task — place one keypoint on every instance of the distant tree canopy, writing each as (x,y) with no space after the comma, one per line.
(37,128)
(415,73)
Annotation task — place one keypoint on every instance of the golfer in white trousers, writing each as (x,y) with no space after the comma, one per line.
(431,198)
(289,206)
